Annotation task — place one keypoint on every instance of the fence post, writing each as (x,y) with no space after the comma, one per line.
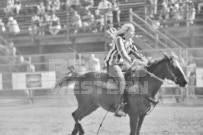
(67,23)
(33,34)
(146,12)
(130,15)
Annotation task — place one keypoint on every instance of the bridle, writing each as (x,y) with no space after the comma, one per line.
(151,102)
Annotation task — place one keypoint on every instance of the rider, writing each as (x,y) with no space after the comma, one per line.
(122,48)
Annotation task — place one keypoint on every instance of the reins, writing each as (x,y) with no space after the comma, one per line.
(156,77)
(149,98)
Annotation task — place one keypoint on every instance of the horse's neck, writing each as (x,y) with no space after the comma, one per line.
(152,83)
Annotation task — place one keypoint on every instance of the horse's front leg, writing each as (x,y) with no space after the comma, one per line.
(141,119)
(134,120)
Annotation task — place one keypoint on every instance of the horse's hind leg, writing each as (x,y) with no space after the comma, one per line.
(80,113)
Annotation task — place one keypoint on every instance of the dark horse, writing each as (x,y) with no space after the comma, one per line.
(90,95)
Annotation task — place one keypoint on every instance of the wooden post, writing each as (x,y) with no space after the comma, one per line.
(33,36)
(156,39)
(67,22)
(130,15)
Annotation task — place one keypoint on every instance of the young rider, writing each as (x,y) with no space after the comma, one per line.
(122,48)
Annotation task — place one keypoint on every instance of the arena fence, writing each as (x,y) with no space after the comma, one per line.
(16,82)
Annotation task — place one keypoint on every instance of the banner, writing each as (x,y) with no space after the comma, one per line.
(199,77)
(33,80)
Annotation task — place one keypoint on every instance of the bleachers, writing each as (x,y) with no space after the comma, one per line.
(24,20)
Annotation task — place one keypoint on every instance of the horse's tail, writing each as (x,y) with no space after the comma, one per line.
(65,81)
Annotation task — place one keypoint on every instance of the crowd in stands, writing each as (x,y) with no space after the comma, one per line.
(88,16)
(13,7)
(44,19)
(107,13)
(174,12)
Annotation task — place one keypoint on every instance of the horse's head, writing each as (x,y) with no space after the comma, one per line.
(174,71)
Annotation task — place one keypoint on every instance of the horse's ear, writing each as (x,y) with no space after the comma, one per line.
(174,56)
(166,55)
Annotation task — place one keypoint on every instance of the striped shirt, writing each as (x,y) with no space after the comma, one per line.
(121,49)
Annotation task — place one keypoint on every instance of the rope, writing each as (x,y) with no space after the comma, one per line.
(102,122)
(103,119)
(158,78)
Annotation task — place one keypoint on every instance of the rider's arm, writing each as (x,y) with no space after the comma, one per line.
(136,54)
(122,50)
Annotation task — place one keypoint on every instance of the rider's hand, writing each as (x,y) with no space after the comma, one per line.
(138,62)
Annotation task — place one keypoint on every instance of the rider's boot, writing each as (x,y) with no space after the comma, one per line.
(120,110)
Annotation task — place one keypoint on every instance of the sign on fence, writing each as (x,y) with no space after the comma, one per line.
(33,80)
(199,77)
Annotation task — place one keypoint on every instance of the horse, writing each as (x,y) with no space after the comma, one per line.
(91,96)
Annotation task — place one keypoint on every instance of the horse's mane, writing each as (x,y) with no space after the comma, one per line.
(154,63)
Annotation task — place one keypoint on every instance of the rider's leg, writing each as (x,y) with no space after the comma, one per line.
(116,72)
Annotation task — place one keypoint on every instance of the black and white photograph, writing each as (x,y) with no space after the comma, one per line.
(101,67)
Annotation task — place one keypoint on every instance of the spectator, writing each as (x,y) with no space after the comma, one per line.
(94,63)
(56,5)
(11,53)
(104,8)
(88,21)
(46,22)
(13,26)
(192,14)
(63,5)
(155,24)
(2,26)
(49,7)
(199,6)
(11,49)
(74,4)
(153,7)
(99,21)
(41,9)
(35,25)
(9,8)
(17,7)
(164,15)
(77,23)
(87,4)
(30,66)
(55,25)
(176,15)
(116,13)
(42,25)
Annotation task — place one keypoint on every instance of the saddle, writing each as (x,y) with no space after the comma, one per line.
(132,77)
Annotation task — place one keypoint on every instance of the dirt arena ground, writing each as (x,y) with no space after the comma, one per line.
(53,117)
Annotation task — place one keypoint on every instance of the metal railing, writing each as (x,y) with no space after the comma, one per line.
(161,40)
(168,35)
